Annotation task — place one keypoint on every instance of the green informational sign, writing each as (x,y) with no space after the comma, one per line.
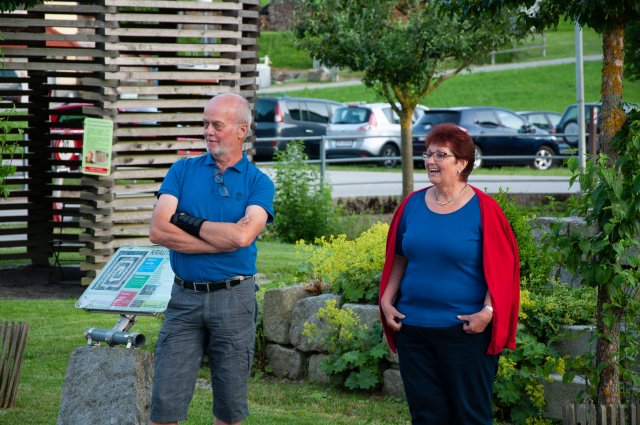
(96,146)
(136,280)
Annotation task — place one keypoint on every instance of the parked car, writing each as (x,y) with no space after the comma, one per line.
(496,132)
(67,123)
(544,120)
(291,117)
(365,130)
(569,121)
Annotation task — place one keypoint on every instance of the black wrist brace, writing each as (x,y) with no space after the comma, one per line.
(188,223)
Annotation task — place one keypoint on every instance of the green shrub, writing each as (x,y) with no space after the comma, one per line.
(544,312)
(518,394)
(535,263)
(282,52)
(303,205)
(355,350)
(351,267)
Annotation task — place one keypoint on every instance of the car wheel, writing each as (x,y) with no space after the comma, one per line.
(477,161)
(571,127)
(544,158)
(389,150)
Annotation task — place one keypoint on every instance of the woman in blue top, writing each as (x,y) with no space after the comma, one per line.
(436,298)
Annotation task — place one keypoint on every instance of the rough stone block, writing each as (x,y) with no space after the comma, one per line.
(557,394)
(278,307)
(391,356)
(286,362)
(575,341)
(392,384)
(315,372)
(368,314)
(105,385)
(305,311)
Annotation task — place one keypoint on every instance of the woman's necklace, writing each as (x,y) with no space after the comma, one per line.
(455,198)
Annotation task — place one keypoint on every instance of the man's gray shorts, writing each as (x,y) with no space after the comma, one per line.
(222,321)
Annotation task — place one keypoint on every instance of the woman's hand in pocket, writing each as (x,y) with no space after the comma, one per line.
(477,322)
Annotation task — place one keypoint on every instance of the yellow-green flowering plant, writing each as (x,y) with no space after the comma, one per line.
(351,267)
(356,351)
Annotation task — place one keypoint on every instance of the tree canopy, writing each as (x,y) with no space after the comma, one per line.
(405,48)
(11,5)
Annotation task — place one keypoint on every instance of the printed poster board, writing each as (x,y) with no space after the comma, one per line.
(136,280)
(97,146)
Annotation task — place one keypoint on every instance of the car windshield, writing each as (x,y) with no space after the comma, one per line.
(265,111)
(439,117)
(351,115)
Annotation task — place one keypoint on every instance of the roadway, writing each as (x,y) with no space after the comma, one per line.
(346,184)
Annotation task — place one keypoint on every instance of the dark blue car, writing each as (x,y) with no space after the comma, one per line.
(500,136)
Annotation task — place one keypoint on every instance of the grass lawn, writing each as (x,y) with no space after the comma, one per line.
(550,88)
(57,329)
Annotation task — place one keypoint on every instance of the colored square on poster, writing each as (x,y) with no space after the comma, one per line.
(137,281)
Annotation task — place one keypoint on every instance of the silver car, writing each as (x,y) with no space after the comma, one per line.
(363,131)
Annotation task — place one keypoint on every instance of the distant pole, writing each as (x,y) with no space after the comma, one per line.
(580,98)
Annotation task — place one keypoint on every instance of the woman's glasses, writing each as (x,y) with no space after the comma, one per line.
(438,155)
(222,189)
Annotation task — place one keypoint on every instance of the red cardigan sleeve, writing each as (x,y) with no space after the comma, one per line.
(501,264)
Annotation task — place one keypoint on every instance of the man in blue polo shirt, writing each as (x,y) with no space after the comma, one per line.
(209,213)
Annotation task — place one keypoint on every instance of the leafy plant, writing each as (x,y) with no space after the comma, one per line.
(355,350)
(9,150)
(544,312)
(303,204)
(351,267)
(518,393)
(535,265)
(606,256)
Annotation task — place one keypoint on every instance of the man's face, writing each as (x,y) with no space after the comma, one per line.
(221,132)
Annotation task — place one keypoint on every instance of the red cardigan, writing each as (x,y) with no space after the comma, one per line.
(501,264)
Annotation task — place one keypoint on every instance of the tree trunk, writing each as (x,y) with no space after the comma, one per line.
(612,115)
(407,151)
(607,352)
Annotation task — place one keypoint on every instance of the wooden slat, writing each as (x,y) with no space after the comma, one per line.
(201,90)
(57,51)
(69,8)
(52,65)
(168,32)
(170,47)
(174,19)
(175,5)
(17,21)
(159,145)
(14,339)
(193,75)
(30,36)
(166,61)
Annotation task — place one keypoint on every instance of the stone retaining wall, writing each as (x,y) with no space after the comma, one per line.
(292,355)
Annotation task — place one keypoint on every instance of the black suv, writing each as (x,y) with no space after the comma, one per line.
(569,122)
(496,132)
(291,117)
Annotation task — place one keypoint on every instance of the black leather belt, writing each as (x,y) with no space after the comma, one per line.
(210,286)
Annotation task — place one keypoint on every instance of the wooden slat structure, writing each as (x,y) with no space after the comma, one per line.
(150,66)
(13,339)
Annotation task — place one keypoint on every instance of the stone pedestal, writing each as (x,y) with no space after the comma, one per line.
(105,385)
